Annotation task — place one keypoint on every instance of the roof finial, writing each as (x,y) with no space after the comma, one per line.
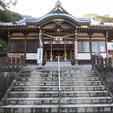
(58,3)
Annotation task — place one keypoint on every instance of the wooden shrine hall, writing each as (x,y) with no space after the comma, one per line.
(57,33)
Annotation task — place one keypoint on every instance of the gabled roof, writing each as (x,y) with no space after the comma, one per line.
(79,21)
(57,12)
(58,8)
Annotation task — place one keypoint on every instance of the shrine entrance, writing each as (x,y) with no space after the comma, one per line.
(59,53)
(64,51)
(58,37)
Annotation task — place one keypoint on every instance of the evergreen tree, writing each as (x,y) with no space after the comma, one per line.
(5,14)
(8,16)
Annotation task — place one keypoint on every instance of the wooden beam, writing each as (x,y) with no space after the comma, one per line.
(90,43)
(9,42)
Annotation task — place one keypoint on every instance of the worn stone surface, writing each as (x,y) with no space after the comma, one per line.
(37,91)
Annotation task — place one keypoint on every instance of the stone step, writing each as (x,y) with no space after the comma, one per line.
(56,75)
(56,78)
(37,91)
(56,106)
(15,94)
(66,100)
(75,75)
(52,71)
(55,88)
(54,83)
(69,108)
(75,72)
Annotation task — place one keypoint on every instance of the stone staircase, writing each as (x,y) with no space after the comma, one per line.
(65,63)
(37,91)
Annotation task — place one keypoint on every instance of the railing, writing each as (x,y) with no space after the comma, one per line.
(104,69)
(9,68)
(102,64)
(107,79)
(59,84)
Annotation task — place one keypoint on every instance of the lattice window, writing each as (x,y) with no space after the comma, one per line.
(98,46)
(17,46)
(83,46)
(32,46)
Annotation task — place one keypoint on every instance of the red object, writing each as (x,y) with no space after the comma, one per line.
(100,59)
(56,59)
(107,49)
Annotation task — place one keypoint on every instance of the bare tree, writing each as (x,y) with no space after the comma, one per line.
(4,4)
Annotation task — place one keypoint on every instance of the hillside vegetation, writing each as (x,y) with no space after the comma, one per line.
(9,16)
(105,18)
(5,14)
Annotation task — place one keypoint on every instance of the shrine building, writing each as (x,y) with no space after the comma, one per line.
(58,33)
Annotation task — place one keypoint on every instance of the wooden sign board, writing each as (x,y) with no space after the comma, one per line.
(58,42)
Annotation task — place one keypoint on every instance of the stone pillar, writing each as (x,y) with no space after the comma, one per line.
(76,48)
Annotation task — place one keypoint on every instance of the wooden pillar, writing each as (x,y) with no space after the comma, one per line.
(71,57)
(51,56)
(90,44)
(106,43)
(9,42)
(65,54)
(45,54)
(25,45)
(76,48)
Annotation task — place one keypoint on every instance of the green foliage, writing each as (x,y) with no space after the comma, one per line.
(8,16)
(105,18)
(3,46)
(4,4)
(5,14)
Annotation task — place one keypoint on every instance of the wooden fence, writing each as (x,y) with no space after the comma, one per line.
(9,69)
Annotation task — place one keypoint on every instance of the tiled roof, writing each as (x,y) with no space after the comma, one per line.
(99,23)
(31,19)
(17,23)
(62,13)
(27,20)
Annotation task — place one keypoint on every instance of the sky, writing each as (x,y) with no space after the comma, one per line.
(38,8)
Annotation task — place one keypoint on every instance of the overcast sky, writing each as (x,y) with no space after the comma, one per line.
(38,8)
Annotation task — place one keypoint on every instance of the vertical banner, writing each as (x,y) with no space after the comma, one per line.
(39,55)
(76,46)
(106,42)
(40,39)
